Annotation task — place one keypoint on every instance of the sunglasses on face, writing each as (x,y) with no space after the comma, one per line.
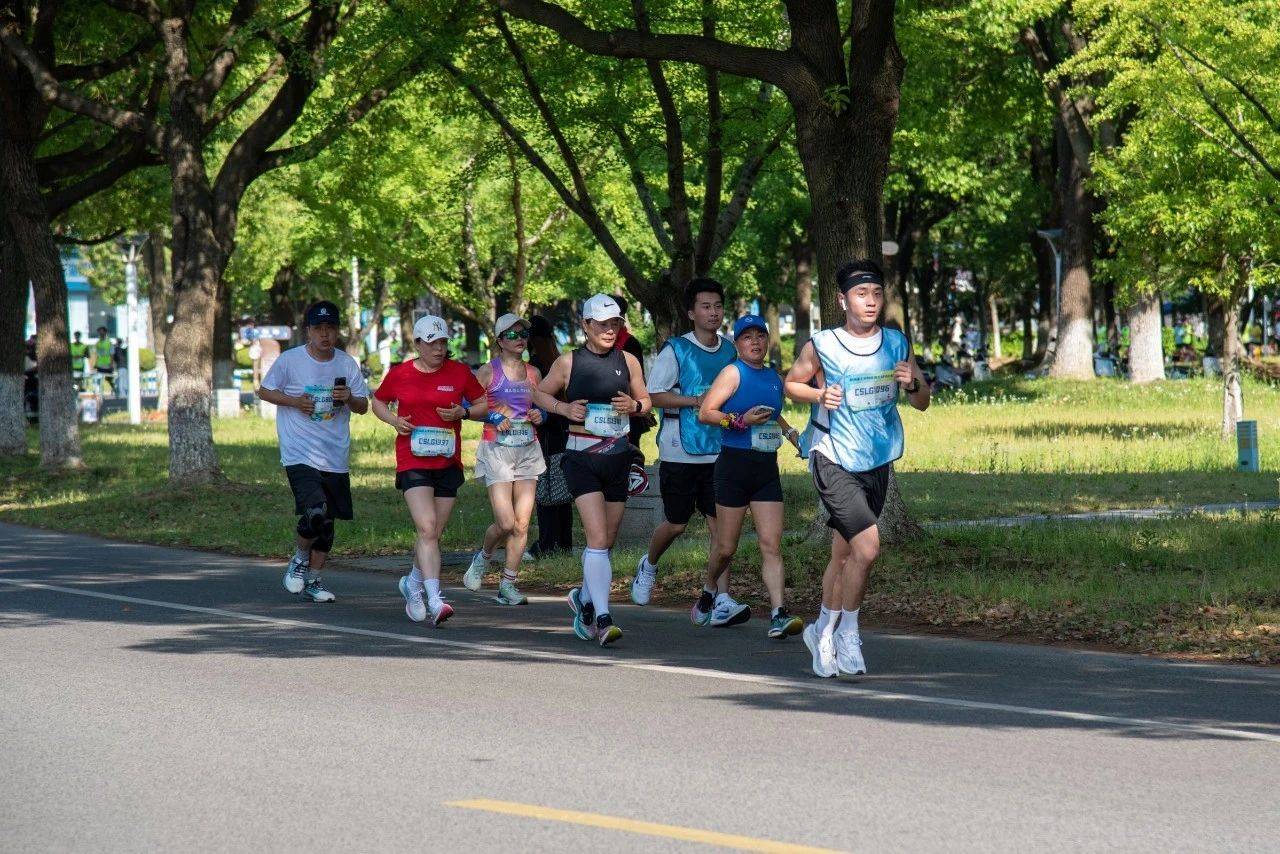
(515,335)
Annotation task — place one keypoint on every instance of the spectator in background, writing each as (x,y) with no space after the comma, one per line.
(104,362)
(555,522)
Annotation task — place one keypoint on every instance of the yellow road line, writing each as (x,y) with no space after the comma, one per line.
(647,828)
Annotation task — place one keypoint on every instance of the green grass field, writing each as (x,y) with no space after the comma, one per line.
(1207,585)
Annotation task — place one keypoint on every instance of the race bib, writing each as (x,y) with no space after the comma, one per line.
(520,434)
(432,442)
(603,421)
(766,437)
(870,391)
(323,397)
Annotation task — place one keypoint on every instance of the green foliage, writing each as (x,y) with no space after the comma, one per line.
(146,359)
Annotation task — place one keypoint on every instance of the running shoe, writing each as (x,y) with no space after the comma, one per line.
(315,591)
(295,577)
(642,585)
(700,613)
(823,651)
(509,595)
(606,632)
(583,615)
(413,604)
(785,625)
(849,659)
(473,578)
(440,612)
(727,612)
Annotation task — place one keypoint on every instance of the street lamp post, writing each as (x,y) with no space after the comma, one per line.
(129,248)
(1051,236)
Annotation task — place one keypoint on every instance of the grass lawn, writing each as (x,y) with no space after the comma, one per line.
(1206,585)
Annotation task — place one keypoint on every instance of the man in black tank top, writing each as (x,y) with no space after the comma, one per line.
(605,389)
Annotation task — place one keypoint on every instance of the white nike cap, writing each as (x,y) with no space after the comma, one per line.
(430,328)
(601,307)
(507,321)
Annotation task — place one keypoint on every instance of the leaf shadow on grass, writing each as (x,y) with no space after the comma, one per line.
(917,678)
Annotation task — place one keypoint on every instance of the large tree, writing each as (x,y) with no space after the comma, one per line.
(237,79)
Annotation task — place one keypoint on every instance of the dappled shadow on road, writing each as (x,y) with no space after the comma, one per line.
(918,680)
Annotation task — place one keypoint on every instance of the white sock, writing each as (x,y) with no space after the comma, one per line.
(415,575)
(433,590)
(508,575)
(825,626)
(707,588)
(484,554)
(598,572)
(848,622)
(773,615)
(648,564)
(302,554)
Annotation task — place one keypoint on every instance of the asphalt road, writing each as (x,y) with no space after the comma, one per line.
(160,699)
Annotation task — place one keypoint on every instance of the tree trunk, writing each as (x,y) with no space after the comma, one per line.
(1232,392)
(279,297)
(997,344)
(224,351)
(198,263)
(13,321)
(802,257)
(29,225)
(1073,358)
(404,308)
(1110,317)
(160,295)
(1146,345)
(1046,315)
(928,318)
(896,525)
(1028,323)
(775,335)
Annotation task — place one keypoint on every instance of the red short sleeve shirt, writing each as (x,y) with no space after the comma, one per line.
(417,393)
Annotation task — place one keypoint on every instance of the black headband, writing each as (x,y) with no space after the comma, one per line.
(859,277)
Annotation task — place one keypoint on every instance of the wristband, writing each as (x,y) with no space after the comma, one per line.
(495,418)
(466,411)
(639,406)
(739,423)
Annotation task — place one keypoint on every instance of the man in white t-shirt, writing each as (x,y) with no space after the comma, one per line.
(316,388)
(687,450)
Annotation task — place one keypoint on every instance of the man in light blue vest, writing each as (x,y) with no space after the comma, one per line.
(859,369)
(687,450)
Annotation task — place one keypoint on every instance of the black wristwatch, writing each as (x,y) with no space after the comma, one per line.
(638,407)
(914,387)
(466,412)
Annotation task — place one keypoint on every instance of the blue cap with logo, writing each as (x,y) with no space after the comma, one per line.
(323,312)
(749,321)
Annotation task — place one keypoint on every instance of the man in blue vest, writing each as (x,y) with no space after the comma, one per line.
(857,371)
(687,450)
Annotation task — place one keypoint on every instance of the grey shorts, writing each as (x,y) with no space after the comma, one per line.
(502,464)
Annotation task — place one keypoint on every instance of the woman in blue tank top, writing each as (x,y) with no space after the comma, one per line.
(745,401)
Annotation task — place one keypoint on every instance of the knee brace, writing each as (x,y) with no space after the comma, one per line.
(311,523)
(324,540)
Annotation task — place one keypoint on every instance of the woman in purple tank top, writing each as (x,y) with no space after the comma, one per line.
(509,458)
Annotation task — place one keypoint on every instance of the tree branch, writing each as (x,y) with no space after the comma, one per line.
(232,106)
(67,240)
(226,54)
(144,9)
(52,92)
(781,68)
(99,70)
(60,200)
(641,184)
(713,159)
(744,183)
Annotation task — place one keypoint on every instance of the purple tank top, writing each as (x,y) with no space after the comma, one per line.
(513,398)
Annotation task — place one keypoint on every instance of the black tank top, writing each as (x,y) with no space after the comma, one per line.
(597,378)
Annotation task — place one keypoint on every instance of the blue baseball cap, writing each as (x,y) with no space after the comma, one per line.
(749,321)
(323,312)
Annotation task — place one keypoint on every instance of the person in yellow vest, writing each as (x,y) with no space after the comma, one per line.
(78,351)
(104,358)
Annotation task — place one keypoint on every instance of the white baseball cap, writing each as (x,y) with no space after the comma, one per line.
(430,328)
(507,321)
(601,307)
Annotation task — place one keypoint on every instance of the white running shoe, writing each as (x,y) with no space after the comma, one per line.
(642,585)
(729,612)
(414,607)
(509,594)
(440,611)
(849,654)
(823,651)
(295,577)
(473,578)
(316,591)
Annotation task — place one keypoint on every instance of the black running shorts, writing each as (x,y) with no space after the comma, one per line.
(744,475)
(445,482)
(311,487)
(854,499)
(586,473)
(686,486)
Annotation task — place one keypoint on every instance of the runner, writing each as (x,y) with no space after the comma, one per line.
(509,459)
(313,422)
(745,401)
(858,369)
(604,387)
(104,362)
(79,350)
(687,449)
(429,394)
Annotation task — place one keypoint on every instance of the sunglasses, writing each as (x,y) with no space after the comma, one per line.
(515,335)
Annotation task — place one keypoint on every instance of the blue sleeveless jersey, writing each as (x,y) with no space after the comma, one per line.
(756,387)
(866,431)
(697,370)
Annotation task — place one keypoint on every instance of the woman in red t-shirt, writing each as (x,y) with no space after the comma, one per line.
(428,393)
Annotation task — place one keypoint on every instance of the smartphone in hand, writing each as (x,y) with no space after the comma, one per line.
(339,382)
